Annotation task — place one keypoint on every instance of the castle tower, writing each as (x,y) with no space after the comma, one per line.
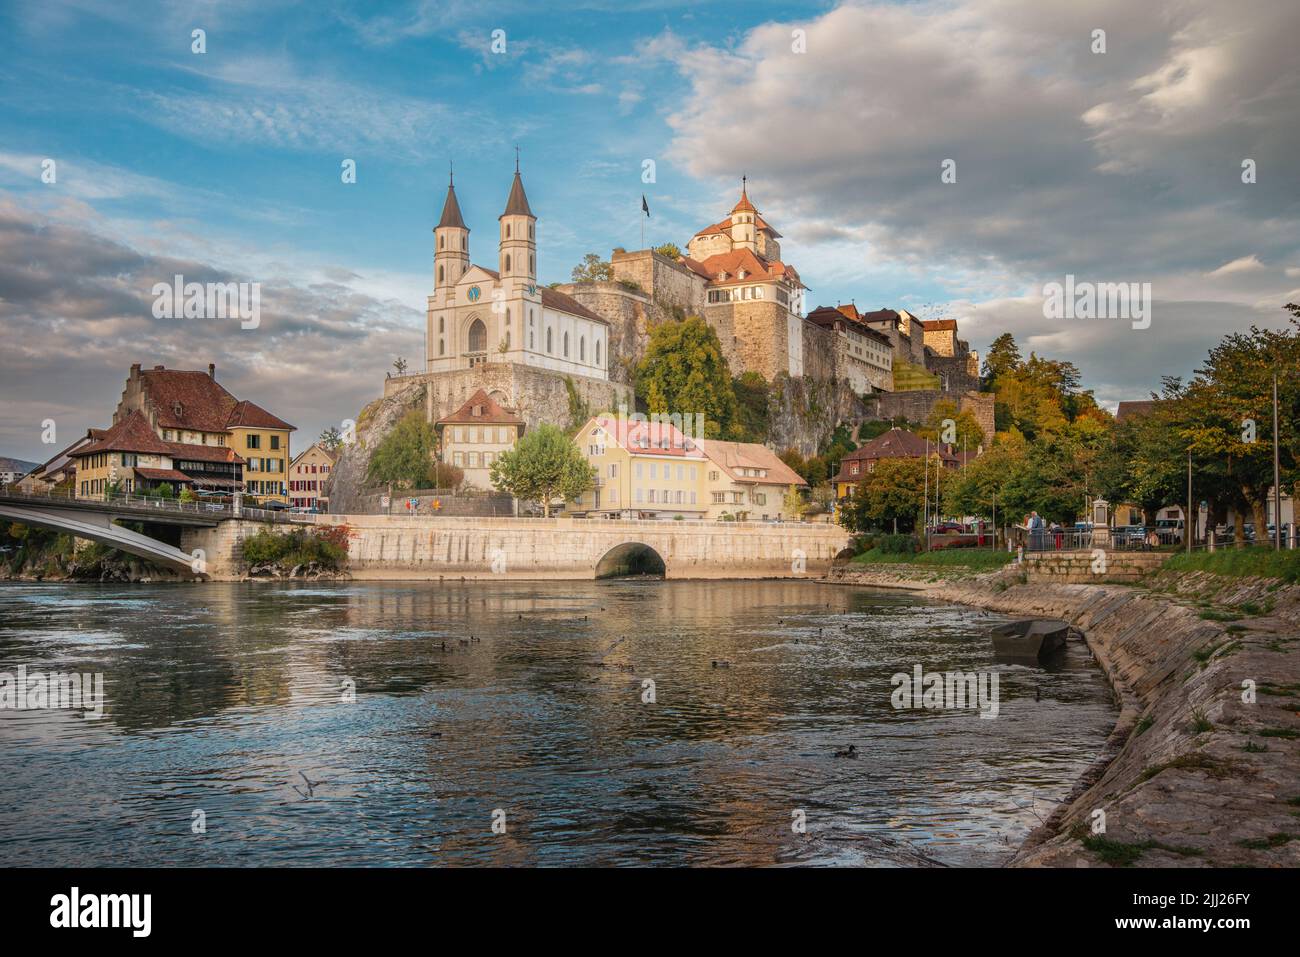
(744,228)
(518,255)
(451,243)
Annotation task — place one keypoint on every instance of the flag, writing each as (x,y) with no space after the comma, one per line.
(645,207)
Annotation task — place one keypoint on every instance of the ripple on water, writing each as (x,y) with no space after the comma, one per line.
(231,697)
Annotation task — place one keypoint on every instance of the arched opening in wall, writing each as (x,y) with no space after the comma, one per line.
(631,559)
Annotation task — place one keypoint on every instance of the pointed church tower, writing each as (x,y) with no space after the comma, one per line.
(451,252)
(518,258)
(744,228)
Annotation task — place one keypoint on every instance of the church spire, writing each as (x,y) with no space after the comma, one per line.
(517,203)
(450,208)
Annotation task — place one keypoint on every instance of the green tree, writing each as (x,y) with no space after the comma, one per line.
(671,250)
(892,492)
(592,269)
(1003,357)
(683,371)
(545,464)
(405,456)
(751,423)
(331,439)
(966,428)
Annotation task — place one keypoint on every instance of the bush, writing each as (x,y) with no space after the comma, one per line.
(327,547)
(897,544)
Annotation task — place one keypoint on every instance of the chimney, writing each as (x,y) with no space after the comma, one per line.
(212,370)
(135,370)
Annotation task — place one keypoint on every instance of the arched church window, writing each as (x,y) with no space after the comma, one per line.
(531,341)
(507,317)
(532,264)
(548,341)
(530,231)
(597,352)
(477,336)
(566,345)
(442,323)
(442,241)
(507,263)
(442,347)
(507,230)
(440,275)
(582,348)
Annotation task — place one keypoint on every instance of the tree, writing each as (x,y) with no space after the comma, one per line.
(405,456)
(892,492)
(400,365)
(751,423)
(545,464)
(671,250)
(592,269)
(1003,357)
(683,372)
(966,428)
(330,439)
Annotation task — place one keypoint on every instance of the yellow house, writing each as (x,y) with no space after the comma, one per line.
(651,470)
(181,428)
(642,469)
(475,435)
(747,482)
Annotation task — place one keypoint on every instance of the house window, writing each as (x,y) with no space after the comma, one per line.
(253,441)
(713,476)
(275,441)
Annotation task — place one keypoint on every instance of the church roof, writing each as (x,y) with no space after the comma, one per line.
(554,299)
(517,204)
(451,212)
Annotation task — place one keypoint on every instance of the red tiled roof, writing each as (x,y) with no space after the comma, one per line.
(939,325)
(734,456)
(644,438)
(132,434)
(187,400)
(251,415)
(743,205)
(895,444)
(488,412)
(755,267)
(882,315)
(851,311)
(554,299)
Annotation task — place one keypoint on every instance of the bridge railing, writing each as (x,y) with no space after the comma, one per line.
(148,505)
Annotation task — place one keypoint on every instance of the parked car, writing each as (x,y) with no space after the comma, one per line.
(305,510)
(272,505)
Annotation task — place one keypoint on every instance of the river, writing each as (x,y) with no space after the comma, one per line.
(229,736)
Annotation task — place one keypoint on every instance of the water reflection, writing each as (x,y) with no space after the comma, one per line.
(525,697)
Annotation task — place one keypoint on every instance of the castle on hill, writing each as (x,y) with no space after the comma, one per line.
(544,351)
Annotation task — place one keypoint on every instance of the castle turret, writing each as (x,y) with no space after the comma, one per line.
(451,252)
(744,227)
(518,257)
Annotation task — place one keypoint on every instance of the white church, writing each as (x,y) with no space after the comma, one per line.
(479,315)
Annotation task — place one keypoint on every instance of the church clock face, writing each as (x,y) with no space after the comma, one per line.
(474,293)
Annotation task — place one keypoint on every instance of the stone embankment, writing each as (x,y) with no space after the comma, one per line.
(1203,766)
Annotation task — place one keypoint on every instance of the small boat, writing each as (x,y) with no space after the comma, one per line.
(1034,638)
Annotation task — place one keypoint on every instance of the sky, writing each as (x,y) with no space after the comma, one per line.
(226,165)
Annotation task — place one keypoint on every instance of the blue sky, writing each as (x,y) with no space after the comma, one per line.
(1120,166)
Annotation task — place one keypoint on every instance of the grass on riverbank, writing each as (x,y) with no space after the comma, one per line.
(981,559)
(1257,562)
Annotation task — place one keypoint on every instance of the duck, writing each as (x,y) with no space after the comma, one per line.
(721,663)
(464,642)
(850,752)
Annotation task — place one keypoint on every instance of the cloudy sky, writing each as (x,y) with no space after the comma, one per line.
(1117,166)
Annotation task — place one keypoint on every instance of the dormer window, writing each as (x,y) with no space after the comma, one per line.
(178,409)
(477,411)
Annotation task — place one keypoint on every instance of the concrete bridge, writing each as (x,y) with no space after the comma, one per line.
(206,540)
(397,548)
(94,520)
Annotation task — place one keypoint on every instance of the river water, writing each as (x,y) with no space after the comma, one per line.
(228,737)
